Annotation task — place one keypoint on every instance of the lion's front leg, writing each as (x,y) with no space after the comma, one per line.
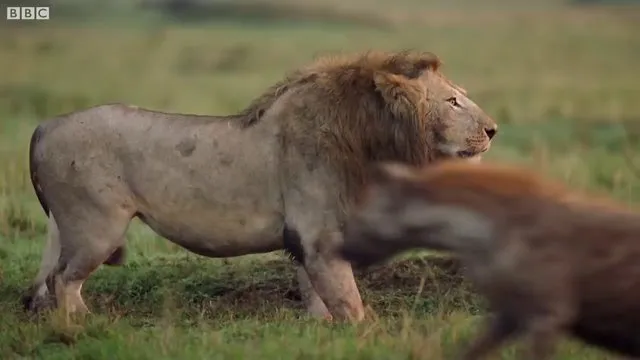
(312,232)
(332,278)
(310,298)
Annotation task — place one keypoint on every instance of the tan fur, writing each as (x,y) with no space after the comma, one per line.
(549,260)
(283,173)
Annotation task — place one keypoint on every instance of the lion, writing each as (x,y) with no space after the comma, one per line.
(549,261)
(281,174)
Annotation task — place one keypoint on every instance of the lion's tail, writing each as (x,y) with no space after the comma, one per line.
(33,168)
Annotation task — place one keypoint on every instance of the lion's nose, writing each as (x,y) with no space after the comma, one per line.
(491,132)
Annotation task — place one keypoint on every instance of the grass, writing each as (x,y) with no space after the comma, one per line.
(560,80)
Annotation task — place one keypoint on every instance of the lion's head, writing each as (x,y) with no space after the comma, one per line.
(453,124)
(378,106)
(463,129)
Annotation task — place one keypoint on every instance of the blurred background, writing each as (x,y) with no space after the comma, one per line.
(561,78)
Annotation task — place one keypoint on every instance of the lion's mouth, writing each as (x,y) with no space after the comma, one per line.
(466,154)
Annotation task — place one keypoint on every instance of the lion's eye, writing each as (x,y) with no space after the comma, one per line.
(453,101)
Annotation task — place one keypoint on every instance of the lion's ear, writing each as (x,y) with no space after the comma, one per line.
(400,94)
(412,65)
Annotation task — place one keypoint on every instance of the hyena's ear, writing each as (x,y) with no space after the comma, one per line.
(390,172)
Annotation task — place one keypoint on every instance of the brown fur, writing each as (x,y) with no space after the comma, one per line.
(549,260)
(339,69)
(284,172)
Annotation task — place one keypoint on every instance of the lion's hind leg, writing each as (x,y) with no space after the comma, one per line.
(39,296)
(86,242)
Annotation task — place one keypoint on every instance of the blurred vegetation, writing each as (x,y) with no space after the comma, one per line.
(560,79)
(606,2)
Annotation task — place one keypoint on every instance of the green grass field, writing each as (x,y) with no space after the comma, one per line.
(562,82)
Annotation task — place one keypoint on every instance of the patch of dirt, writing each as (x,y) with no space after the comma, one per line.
(408,273)
(383,287)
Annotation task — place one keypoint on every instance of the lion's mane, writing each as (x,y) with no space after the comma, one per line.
(360,108)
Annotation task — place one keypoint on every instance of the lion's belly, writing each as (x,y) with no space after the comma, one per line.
(220,234)
(213,189)
(227,215)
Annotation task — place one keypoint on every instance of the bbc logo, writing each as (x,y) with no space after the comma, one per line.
(27,13)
